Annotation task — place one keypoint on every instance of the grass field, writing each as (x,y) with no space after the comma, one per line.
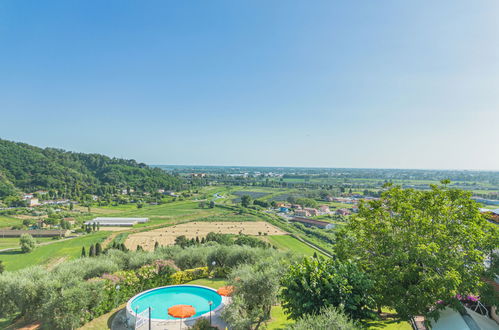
(286,242)
(67,249)
(12,242)
(8,221)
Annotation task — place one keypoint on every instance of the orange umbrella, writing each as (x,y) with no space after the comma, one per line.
(226,290)
(181,311)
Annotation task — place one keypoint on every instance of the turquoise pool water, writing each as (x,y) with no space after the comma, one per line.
(163,298)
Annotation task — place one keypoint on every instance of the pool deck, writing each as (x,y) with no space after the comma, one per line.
(119,323)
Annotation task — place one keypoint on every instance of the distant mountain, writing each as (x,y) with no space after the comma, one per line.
(28,168)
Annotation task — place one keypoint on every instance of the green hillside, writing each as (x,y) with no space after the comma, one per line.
(28,168)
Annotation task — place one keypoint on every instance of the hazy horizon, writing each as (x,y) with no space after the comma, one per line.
(395,85)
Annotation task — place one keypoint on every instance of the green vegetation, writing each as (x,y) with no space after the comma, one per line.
(420,247)
(66,249)
(64,298)
(71,175)
(327,318)
(214,283)
(316,283)
(9,221)
(287,242)
(256,289)
(27,243)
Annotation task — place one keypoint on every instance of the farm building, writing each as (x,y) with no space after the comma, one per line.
(312,211)
(313,222)
(343,212)
(302,213)
(35,233)
(324,209)
(117,222)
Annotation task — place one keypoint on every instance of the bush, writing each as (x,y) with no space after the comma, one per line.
(27,243)
(315,283)
(191,258)
(189,275)
(328,318)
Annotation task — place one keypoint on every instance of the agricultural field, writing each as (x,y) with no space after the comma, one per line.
(167,235)
(47,254)
(13,242)
(287,242)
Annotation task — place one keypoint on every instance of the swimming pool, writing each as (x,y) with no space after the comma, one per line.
(160,299)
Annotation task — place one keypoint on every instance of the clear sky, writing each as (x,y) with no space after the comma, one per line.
(392,84)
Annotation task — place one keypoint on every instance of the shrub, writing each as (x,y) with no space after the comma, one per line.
(191,258)
(328,318)
(317,282)
(188,275)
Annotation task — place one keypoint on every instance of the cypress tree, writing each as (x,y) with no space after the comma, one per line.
(139,248)
(94,226)
(156,245)
(91,252)
(203,240)
(98,249)
(197,240)
(83,252)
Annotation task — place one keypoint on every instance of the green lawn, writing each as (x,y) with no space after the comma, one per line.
(9,221)
(12,242)
(71,248)
(286,242)
(279,320)
(214,283)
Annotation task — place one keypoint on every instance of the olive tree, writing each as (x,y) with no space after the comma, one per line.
(255,291)
(419,247)
(27,243)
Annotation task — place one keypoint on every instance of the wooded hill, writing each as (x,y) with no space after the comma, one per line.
(28,168)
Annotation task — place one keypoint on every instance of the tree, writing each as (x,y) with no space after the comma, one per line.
(2,267)
(156,245)
(27,243)
(315,283)
(98,249)
(212,204)
(419,247)
(328,318)
(83,252)
(245,200)
(255,292)
(91,251)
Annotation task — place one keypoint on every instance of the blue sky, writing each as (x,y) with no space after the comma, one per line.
(391,84)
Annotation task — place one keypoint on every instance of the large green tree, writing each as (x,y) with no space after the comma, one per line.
(27,243)
(315,283)
(256,288)
(419,247)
